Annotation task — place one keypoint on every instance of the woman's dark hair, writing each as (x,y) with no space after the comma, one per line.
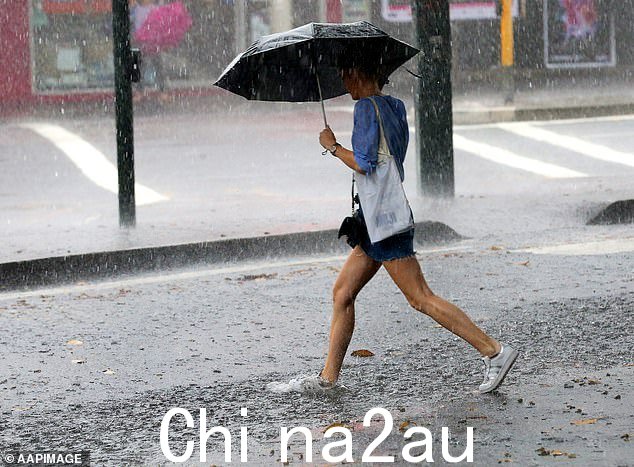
(371,73)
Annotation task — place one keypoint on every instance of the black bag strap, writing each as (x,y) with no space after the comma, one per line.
(352,193)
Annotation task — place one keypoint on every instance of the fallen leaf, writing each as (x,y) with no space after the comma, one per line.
(496,248)
(74,342)
(78,361)
(362,353)
(405,425)
(555,453)
(587,421)
(505,460)
(333,425)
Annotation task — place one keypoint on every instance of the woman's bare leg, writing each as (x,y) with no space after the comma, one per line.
(358,269)
(407,275)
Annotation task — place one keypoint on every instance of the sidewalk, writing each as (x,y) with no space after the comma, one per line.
(156,230)
(481,99)
(538,97)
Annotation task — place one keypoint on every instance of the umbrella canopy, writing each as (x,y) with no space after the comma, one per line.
(164,27)
(293,66)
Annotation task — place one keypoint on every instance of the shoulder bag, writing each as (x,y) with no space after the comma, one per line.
(385,206)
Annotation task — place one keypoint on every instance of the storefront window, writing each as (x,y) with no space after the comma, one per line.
(72,44)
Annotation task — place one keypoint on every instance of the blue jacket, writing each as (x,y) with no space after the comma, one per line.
(365,134)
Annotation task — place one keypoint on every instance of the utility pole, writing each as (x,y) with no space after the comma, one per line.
(281,15)
(240,26)
(506,50)
(434,117)
(124,68)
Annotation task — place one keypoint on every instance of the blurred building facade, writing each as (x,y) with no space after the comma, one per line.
(62,49)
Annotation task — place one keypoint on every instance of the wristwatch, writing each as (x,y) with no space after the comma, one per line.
(333,149)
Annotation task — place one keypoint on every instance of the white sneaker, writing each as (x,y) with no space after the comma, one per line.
(309,384)
(497,367)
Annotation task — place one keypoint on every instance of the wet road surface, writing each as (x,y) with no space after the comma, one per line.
(96,366)
(257,169)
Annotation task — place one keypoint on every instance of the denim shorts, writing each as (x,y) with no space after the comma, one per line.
(397,246)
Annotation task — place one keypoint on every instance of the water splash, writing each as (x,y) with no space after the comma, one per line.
(303,383)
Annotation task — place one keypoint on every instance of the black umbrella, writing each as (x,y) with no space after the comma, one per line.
(302,65)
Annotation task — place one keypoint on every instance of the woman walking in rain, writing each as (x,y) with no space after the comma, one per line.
(381,131)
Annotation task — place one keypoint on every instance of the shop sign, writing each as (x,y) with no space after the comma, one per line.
(100,6)
(578,34)
(56,7)
(397,11)
(355,10)
(401,10)
(66,7)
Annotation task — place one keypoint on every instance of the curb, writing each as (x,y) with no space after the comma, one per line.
(108,264)
(510,114)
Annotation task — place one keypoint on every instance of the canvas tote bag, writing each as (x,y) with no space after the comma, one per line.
(385,206)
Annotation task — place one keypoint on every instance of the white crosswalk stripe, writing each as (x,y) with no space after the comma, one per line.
(510,159)
(587,148)
(90,161)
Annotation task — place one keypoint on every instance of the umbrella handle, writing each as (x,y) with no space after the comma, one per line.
(321,99)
